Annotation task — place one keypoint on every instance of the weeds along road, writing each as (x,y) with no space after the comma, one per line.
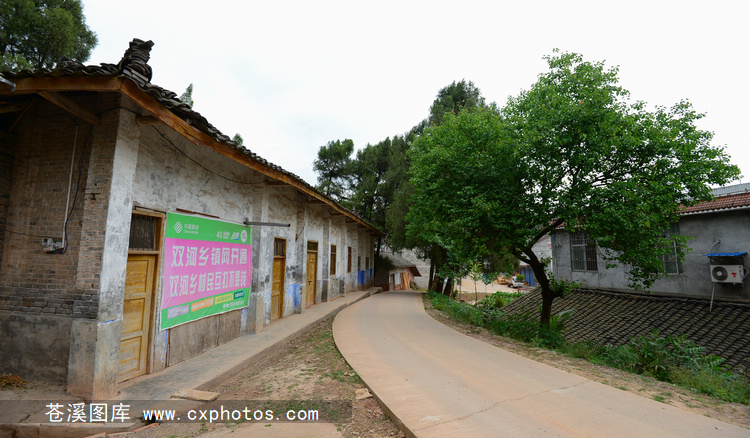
(439,382)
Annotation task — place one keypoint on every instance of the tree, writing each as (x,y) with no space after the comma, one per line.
(334,169)
(571,150)
(453,98)
(458,187)
(37,33)
(187,96)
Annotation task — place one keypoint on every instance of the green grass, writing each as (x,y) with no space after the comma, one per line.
(673,359)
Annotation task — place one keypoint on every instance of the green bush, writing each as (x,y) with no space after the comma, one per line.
(720,384)
(497,299)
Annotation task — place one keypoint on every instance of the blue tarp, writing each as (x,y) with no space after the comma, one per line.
(726,254)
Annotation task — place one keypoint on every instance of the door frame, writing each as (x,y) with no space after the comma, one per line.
(156,252)
(315,247)
(282,257)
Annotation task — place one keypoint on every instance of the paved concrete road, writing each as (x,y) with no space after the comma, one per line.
(439,382)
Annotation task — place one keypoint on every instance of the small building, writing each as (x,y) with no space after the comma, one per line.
(135,235)
(400,276)
(715,265)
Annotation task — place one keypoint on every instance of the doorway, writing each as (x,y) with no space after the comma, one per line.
(312,273)
(138,297)
(279,271)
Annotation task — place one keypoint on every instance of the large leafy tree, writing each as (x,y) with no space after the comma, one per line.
(571,150)
(334,169)
(37,33)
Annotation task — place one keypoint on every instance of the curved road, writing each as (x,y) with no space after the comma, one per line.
(439,382)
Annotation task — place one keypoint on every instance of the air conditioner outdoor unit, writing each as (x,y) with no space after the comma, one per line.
(727,273)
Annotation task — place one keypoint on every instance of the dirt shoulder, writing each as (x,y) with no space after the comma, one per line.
(307,368)
(734,413)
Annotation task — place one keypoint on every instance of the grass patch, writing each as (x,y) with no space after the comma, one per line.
(673,359)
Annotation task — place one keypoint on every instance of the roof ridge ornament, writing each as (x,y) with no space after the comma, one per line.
(135,61)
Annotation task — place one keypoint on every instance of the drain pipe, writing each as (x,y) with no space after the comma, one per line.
(70,183)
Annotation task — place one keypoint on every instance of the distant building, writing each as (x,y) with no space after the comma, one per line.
(715,263)
(401,276)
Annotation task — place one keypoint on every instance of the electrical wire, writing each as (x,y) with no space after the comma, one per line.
(199,164)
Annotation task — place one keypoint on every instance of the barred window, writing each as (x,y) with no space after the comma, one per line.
(583,252)
(671,260)
(279,247)
(143,233)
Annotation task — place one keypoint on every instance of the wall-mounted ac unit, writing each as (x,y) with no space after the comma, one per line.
(727,273)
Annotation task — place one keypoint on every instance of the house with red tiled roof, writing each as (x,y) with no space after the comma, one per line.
(715,265)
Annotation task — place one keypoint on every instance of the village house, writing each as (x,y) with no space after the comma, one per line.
(715,264)
(400,276)
(135,235)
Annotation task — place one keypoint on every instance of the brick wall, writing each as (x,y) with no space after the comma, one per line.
(32,281)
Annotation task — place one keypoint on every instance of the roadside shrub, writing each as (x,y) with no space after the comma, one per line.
(497,299)
(720,384)
(587,349)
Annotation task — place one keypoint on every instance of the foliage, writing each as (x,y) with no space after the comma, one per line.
(383,263)
(37,33)
(187,96)
(672,358)
(561,286)
(454,98)
(238,139)
(334,168)
(572,149)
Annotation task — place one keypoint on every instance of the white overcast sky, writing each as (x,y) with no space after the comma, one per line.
(290,76)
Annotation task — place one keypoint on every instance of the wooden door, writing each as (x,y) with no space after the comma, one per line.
(277,287)
(136,319)
(405,281)
(312,277)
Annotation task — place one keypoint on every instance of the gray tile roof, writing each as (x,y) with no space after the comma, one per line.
(615,317)
(134,66)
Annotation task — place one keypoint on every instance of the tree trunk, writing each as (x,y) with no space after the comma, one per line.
(432,276)
(548,295)
(438,284)
(448,289)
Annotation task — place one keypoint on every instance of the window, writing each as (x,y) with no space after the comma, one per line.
(582,252)
(279,247)
(671,260)
(348,259)
(333,259)
(312,246)
(143,233)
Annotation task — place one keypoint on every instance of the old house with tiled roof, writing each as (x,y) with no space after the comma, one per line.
(400,276)
(134,234)
(715,265)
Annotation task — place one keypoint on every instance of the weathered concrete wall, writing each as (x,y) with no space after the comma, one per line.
(172,174)
(35,346)
(337,233)
(731,228)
